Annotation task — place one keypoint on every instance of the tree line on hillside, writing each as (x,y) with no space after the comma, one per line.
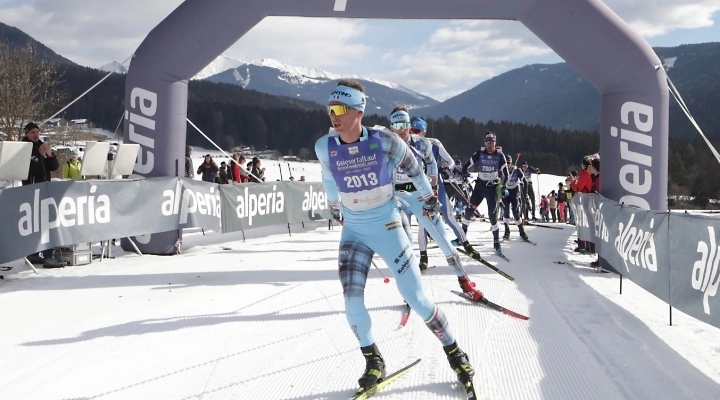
(233,116)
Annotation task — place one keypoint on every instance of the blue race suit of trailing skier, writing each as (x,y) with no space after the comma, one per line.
(528,195)
(418,127)
(514,179)
(356,172)
(412,204)
(489,162)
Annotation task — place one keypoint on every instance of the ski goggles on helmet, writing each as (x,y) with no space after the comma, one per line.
(415,131)
(338,109)
(400,125)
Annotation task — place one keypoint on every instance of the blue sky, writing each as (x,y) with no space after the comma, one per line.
(436,58)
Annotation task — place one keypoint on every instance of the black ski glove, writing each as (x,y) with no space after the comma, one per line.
(431,207)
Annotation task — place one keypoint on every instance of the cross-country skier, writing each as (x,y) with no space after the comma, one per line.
(514,180)
(405,192)
(528,194)
(357,165)
(488,161)
(419,127)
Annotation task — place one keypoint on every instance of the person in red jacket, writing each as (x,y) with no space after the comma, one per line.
(582,184)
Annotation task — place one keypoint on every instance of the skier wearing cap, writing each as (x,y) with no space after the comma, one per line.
(357,165)
(528,193)
(418,126)
(488,161)
(405,193)
(513,179)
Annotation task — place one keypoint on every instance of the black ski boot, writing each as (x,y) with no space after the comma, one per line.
(470,250)
(506,236)
(374,367)
(496,245)
(423,261)
(523,235)
(459,363)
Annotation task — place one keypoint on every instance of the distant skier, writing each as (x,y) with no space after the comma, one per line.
(513,179)
(488,161)
(357,165)
(528,193)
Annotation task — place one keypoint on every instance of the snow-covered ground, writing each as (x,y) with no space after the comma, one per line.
(262,318)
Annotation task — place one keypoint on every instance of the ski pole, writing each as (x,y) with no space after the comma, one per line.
(386,280)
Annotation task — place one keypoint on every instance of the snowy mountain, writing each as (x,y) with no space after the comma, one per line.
(557,96)
(114,66)
(274,77)
(221,64)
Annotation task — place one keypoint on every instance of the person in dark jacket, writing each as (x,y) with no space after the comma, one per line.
(223,177)
(42,162)
(257,171)
(208,169)
(189,169)
(42,159)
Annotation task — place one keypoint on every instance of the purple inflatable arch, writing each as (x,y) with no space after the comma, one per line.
(585,33)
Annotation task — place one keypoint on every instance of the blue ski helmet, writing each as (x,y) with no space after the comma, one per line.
(419,124)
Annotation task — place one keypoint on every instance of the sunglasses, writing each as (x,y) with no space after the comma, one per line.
(418,131)
(400,125)
(338,109)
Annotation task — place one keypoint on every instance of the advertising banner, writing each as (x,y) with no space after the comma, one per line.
(60,213)
(674,256)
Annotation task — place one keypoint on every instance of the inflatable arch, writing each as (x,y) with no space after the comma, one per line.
(585,33)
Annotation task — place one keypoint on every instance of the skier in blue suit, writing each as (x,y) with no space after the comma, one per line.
(418,127)
(489,161)
(357,165)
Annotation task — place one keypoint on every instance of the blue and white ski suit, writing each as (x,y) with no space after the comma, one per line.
(357,179)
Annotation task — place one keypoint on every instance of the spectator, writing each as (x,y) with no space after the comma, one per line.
(223,174)
(42,162)
(233,170)
(561,200)
(544,209)
(552,198)
(189,169)
(594,170)
(569,191)
(583,184)
(208,169)
(71,169)
(244,169)
(292,178)
(257,170)
(302,178)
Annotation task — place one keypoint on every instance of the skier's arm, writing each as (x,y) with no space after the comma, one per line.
(398,153)
(430,162)
(331,189)
(472,161)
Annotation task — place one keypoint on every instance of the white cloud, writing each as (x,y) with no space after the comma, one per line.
(90,33)
(652,18)
(305,42)
(463,54)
